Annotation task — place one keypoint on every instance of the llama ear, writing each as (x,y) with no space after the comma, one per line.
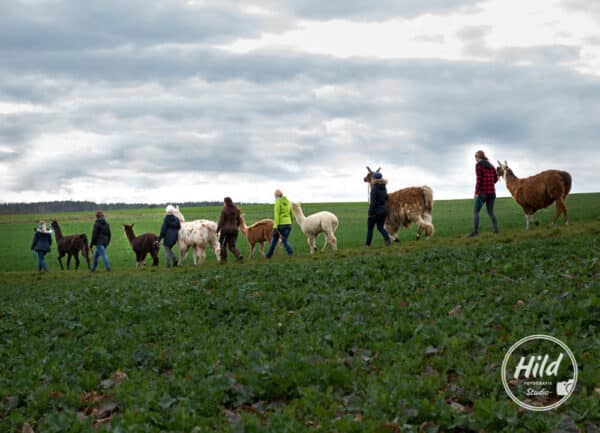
(369,169)
(378,170)
(505,163)
(499,163)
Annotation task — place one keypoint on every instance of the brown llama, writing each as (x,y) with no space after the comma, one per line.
(538,192)
(407,206)
(71,246)
(142,245)
(258,233)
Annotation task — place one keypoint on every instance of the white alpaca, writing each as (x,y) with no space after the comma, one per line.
(320,222)
(195,235)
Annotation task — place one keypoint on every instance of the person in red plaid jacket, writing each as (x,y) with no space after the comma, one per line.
(485,191)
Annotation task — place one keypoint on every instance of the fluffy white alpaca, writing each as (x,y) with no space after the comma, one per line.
(195,235)
(320,222)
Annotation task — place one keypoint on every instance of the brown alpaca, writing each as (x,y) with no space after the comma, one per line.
(538,192)
(258,233)
(407,206)
(142,245)
(71,246)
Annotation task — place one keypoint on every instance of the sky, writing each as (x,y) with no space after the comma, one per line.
(170,101)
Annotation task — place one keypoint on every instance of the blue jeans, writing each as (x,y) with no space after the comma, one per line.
(488,200)
(100,252)
(42,261)
(284,231)
(379,220)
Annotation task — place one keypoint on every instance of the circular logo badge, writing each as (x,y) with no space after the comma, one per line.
(539,372)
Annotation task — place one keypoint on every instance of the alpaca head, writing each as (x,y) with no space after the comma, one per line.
(502,169)
(369,177)
(128,228)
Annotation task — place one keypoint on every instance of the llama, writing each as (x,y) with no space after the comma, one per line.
(312,225)
(70,246)
(538,192)
(142,245)
(258,233)
(195,235)
(407,206)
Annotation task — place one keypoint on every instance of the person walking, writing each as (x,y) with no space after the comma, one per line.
(228,226)
(377,210)
(282,223)
(100,239)
(42,240)
(485,191)
(169,232)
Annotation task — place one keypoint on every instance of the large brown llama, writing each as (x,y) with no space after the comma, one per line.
(71,246)
(538,192)
(142,245)
(258,233)
(407,206)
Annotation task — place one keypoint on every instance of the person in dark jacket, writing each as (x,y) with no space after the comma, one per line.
(100,239)
(485,191)
(42,240)
(229,223)
(377,209)
(169,232)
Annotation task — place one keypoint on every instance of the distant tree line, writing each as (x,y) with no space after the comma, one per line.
(45,207)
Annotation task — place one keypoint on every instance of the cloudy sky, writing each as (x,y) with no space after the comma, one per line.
(174,100)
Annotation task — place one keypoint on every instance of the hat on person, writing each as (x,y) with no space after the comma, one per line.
(99,214)
(170,209)
(377,176)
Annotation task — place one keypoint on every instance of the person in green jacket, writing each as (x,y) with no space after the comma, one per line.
(282,223)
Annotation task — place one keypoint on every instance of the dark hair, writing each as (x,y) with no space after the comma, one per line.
(481,155)
(99,214)
(228,201)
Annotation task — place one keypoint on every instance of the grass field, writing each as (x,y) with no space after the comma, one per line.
(358,341)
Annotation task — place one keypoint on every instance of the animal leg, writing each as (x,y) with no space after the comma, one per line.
(527,217)
(216,246)
(560,208)
(332,240)
(311,244)
(201,253)
(76,261)
(68,261)
(183,250)
(60,261)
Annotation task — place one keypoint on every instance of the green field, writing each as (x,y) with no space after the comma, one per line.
(357,341)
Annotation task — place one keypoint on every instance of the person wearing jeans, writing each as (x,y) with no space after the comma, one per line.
(169,232)
(485,191)
(100,239)
(42,240)
(377,210)
(282,223)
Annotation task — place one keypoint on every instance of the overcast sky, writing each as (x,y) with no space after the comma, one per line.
(171,101)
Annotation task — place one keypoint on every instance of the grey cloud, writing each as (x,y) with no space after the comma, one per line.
(366,9)
(107,24)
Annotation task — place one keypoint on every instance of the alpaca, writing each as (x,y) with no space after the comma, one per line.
(312,225)
(538,192)
(195,235)
(70,246)
(406,206)
(258,233)
(142,245)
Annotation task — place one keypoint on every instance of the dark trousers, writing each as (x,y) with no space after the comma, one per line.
(42,261)
(284,231)
(488,200)
(227,239)
(379,220)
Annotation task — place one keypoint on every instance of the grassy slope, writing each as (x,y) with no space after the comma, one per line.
(452,219)
(331,343)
